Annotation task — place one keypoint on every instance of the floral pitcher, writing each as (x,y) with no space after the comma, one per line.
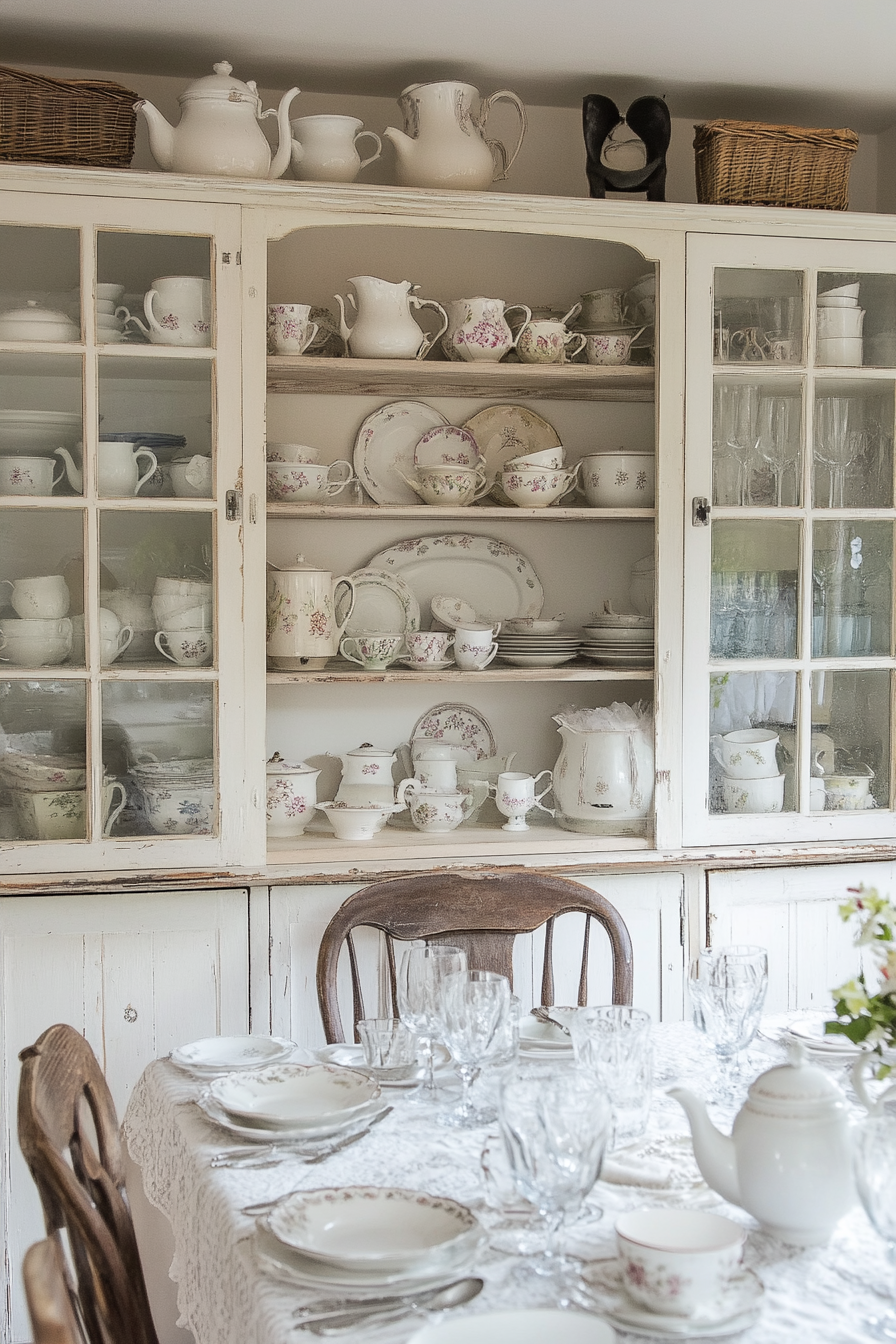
(303,627)
(478,330)
(443,143)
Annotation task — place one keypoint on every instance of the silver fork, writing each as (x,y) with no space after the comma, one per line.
(269,1155)
(542,1015)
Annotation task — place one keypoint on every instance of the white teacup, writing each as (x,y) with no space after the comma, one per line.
(437,775)
(545,342)
(189,648)
(602,307)
(428,646)
(109,293)
(753,795)
(431,812)
(29,475)
(547,458)
(748,753)
(291,452)
(191,478)
(674,1261)
(35,643)
(535,488)
(454,485)
(113,646)
(290,329)
(45,597)
(515,797)
(373,651)
(848,793)
(307,481)
(474,646)
(610,347)
(200,590)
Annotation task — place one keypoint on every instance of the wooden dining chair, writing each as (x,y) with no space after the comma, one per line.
(68,1133)
(49,1294)
(479,912)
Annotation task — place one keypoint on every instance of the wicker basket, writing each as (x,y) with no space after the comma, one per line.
(750,163)
(88,122)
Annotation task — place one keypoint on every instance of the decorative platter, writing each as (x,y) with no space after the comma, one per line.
(385,445)
(505,432)
(384,603)
(228,1054)
(493,577)
(459,726)
(447,446)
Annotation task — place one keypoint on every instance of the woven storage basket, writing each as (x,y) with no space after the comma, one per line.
(82,121)
(750,163)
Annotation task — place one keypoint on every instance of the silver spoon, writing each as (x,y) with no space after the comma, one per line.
(392,1309)
(542,1015)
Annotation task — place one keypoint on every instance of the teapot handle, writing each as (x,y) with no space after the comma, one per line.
(859,1071)
(498,149)
(575,336)
(340,626)
(429,341)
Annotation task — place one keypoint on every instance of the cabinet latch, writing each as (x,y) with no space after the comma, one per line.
(700,511)
(233,506)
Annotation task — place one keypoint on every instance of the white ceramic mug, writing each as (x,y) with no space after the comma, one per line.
(118,475)
(189,648)
(474,647)
(545,342)
(674,1261)
(515,796)
(428,646)
(290,329)
(45,597)
(839,322)
(324,148)
(28,475)
(764,794)
(373,651)
(114,637)
(747,753)
(307,481)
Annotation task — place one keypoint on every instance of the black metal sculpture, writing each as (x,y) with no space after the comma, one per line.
(649,118)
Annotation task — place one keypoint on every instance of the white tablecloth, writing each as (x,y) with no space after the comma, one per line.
(815,1296)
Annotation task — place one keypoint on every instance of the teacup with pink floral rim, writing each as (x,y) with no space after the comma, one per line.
(674,1261)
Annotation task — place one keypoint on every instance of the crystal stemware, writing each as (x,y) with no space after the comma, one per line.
(424,968)
(874,1163)
(555,1126)
(778,436)
(474,1015)
(728,987)
(613,1042)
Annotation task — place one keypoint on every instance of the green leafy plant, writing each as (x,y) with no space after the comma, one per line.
(864,1017)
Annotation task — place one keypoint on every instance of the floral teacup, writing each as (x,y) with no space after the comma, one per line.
(434,812)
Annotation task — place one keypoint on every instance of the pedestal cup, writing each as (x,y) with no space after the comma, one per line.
(515,797)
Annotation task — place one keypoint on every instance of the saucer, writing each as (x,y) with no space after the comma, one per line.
(732,1312)
(427,667)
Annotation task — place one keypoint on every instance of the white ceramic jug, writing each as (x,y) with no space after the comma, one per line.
(303,629)
(367,778)
(184,306)
(118,475)
(602,776)
(324,148)
(478,329)
(385,328)
(218,131)
(443,143)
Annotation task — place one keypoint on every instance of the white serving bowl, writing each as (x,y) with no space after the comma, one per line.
(357,823)
(623,480)
(843,351)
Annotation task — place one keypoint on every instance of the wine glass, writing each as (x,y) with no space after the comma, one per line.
(835,446)
(424,968)
(474,1014)
(778,437)
(874,1163)
(728,987)
(555,1126)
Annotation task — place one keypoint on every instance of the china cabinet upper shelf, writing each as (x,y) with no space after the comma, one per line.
(489,674)
(401,377)
(416,512)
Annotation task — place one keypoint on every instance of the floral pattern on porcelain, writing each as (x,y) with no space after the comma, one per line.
(652,1285)
(515,804)
(282,796)
(282,489)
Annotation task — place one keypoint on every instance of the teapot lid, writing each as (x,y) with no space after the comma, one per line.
(795,1087)
(300,566)
(278,766)
(222,87)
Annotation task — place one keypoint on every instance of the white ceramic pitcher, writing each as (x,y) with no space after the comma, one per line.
(601,776)
(184,307)
(303,629)
(443,143)
(478,329)
(385,327)
(324,148)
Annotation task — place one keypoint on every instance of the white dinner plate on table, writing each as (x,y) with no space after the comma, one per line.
(536,1325)
(294,1096)
(367,1228)
(292,1267)
(543,1038)
(228,1054)
(352,1057)
(306,1134)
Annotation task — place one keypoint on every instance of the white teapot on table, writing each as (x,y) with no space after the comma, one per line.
(218,132)
(788,1160)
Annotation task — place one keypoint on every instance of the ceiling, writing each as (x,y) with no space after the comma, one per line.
(815,62)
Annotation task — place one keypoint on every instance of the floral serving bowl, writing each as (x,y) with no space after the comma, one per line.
(357,823)
(622,480)
(186,810)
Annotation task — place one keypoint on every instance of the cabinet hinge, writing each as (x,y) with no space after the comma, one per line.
(700,511)
(233,506)
(225,258)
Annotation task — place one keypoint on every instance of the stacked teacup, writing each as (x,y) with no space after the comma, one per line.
(42,634)
(183,612)
(296,474)
(839,321)
(536,480)
(605,321)
(750,778)
(111,315)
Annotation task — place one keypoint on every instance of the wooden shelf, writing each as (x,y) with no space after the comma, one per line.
(342,670)
(433,378)
(417,512)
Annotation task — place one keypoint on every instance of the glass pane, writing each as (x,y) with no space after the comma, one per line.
(851,589)
(158,741)
(163,408)
(40,272)
(43,760)
(856,320)
(853,445)
(758,317)
(158,583)
(753,602)
(752,761)
(851,717)
(178,269)
(757,442)
(40,424)
(42,595)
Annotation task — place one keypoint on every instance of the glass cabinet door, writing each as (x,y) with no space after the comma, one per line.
(120,629)
(789,567)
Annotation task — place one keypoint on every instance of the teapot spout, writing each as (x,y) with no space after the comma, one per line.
(713,1150)
(402,143)
(284,148)
(75,478)
(161,134)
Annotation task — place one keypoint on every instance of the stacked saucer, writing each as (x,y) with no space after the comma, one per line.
(619,641)
(365,1237)
(214,1055)
(291,1102)
(538,650)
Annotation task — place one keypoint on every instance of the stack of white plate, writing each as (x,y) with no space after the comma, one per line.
(544,1040)
(291,1102)
(531,650)
(214,1055)
(369,1236)
(619,641)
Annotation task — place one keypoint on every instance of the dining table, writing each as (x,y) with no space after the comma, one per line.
(230,1290)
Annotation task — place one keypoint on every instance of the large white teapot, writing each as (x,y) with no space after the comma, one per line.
(443,143)
(788,1160)
(218,131)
